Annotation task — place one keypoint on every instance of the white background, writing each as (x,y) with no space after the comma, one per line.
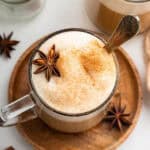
(59,14)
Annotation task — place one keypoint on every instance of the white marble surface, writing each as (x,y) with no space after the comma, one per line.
(57,15)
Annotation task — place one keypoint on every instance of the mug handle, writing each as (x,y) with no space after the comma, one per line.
(13,113)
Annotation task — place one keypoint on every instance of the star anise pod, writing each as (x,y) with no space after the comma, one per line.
(116,114)
(6,44)
(47,63)
(10,148)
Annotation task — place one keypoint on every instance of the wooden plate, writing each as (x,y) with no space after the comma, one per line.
(100,137)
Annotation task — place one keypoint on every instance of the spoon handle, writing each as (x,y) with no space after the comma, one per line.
(127,28)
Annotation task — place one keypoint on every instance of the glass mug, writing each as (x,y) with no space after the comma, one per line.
(12,114)
(20,9)
(107,13)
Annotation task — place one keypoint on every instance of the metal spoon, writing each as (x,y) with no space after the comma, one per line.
(127,28)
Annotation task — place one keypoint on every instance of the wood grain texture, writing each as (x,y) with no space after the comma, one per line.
(100,137)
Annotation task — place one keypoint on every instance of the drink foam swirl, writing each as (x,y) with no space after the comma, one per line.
(88,73)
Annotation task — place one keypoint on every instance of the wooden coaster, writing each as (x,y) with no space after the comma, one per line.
(100,137)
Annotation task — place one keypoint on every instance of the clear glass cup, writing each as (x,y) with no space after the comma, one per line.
(106,14)
(65,122)
(20,9)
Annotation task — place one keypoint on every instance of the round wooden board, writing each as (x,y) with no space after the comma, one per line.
(100,137)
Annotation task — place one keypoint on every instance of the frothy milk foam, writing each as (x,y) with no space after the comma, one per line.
(125,7)
(88,73)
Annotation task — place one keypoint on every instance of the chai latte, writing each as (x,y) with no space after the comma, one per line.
(88,77)
(106,14)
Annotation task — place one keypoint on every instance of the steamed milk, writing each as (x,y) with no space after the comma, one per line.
(125,7)
(88,73)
